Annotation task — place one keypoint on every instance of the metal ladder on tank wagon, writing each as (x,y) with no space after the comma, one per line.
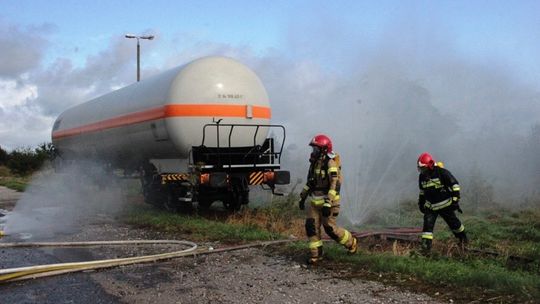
(226,172)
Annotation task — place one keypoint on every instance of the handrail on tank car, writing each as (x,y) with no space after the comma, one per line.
(217,124)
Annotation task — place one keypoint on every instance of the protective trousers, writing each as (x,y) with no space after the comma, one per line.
(314,220)
(449,216)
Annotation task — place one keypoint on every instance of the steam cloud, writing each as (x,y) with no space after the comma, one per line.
(61,203)
(384,110)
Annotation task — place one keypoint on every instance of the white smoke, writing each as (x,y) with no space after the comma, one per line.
(62,203)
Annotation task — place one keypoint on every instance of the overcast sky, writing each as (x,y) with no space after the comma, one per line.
(54,54)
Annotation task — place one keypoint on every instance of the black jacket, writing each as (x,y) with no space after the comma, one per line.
(439,187)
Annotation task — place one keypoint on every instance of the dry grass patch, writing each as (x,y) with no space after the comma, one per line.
(270,220)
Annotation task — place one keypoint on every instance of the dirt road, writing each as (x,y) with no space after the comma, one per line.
(244,276)
(8,198)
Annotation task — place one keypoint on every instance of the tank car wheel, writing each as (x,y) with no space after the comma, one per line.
(149,196)
(146,197)
(205,204)
(170,203)
(234,202)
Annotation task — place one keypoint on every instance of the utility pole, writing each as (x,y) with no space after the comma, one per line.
(129,36)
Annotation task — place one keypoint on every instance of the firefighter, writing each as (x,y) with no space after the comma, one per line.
(323,184)
(439,195)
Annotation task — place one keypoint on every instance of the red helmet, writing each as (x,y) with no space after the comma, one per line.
(426,160)
(323,142)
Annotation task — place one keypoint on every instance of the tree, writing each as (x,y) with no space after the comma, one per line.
(4,157)
(24,161)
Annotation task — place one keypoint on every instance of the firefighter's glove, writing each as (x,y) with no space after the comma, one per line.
(304,194)
(303,197)
(455,203)
(302,204)
(326,207)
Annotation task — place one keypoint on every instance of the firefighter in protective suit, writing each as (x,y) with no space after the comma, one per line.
(439,195)
(322,188)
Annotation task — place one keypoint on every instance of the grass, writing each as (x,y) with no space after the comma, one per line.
(460,278)
(197,227)
(15,183)
(9,180)
(497,229)
(281,217)
(514,235)
(466,276)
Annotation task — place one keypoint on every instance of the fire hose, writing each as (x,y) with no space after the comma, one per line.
(32,272)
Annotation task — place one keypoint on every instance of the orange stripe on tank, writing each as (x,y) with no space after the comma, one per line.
(168,111)
(213,110)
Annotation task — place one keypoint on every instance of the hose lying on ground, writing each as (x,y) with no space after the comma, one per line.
(32,272)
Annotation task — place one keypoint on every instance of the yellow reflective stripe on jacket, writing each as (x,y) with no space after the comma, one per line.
(345,237)
(320,172)
(455,199)
(317,201)
(460,229)
(456,187)
(333,195)
(315,244)
(306,188)
(333,170)
(435,182)
(427,235)
(441,205)
(327,205)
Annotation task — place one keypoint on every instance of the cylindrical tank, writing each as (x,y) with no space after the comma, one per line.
(163,116)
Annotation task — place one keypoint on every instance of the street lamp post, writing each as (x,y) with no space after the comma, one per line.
(150,37)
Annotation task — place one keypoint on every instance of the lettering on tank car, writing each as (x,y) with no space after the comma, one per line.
(233,96)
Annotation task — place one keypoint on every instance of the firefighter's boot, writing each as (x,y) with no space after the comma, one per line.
(463,240)
(425,248)
(354,246)
(314,260)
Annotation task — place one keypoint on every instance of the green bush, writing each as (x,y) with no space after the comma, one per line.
(4,171)
(24,161)
(3,157)
(14,183)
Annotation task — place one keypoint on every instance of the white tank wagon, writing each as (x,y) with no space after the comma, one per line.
(213,112)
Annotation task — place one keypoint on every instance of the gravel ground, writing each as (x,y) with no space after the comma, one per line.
(8,198)
(244,276)
(251,275)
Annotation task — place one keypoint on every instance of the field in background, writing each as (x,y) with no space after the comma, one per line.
(9,180)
